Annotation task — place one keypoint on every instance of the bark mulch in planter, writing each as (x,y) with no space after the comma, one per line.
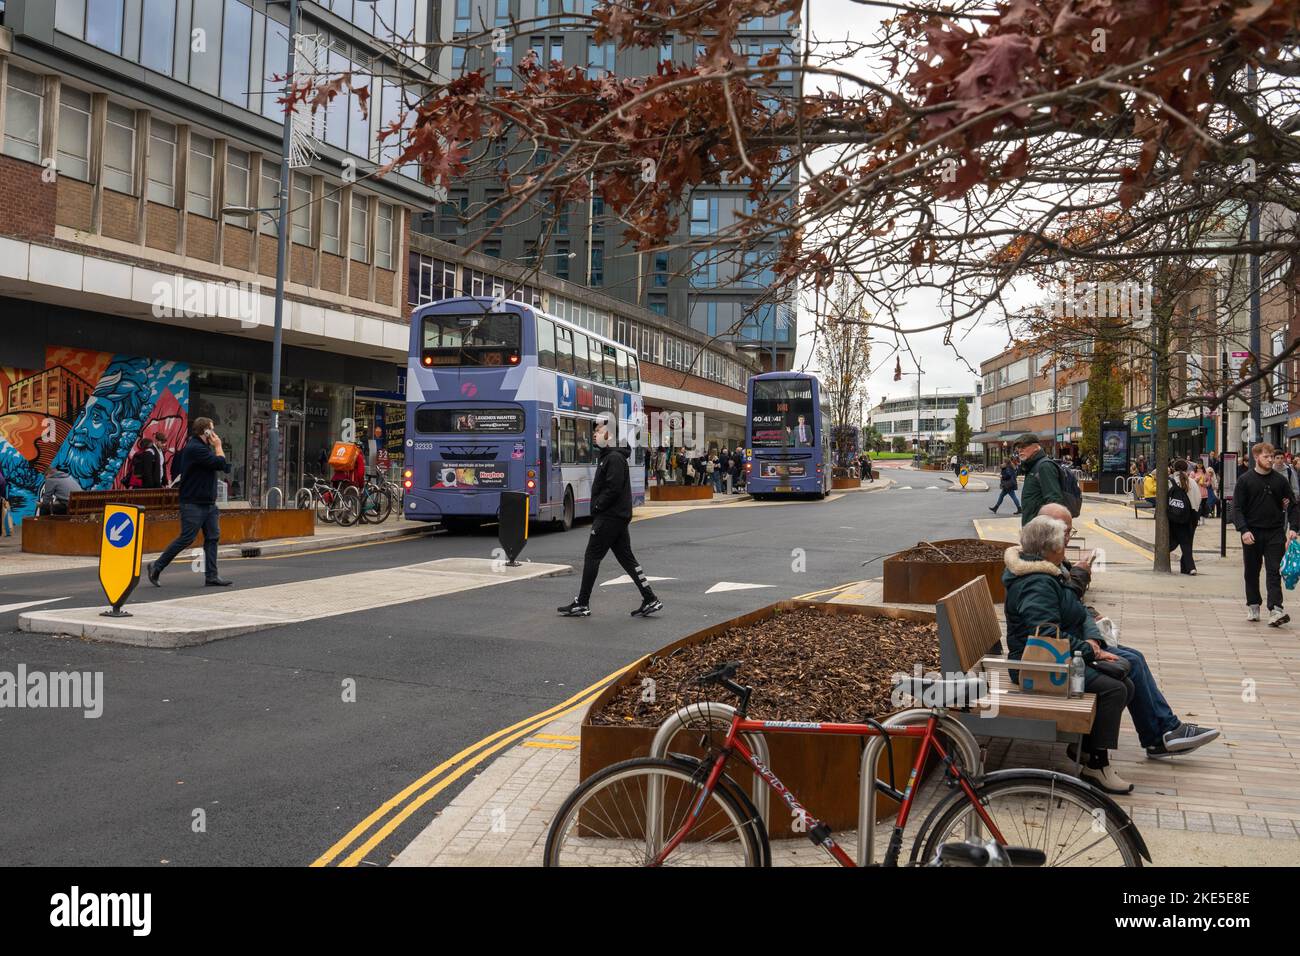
(802,664)
(953,551)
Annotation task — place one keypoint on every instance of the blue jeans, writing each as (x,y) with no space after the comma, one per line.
(1005,492)
(1151,713)
(193,519)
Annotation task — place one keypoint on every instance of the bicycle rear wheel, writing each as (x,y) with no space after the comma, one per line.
(325,504)
(347,511)
(604,821)
(1073,824)
(303,499)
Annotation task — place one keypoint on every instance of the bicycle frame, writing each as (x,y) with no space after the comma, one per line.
(818,832)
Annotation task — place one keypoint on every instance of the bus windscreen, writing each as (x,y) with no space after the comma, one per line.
(782,413)
(479,338)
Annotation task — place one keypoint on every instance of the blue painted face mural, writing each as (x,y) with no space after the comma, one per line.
(83,414)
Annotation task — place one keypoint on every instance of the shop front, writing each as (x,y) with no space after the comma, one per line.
(1275,422)
(1188,437)
(84,408)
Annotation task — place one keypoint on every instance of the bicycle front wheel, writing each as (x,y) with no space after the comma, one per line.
(1068,820)
(347,510)
(610,820)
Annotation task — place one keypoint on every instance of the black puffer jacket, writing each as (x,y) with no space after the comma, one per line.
(611,489)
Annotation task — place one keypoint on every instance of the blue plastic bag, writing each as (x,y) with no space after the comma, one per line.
(1291,564)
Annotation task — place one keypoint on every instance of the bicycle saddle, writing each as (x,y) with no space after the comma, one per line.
(944,692)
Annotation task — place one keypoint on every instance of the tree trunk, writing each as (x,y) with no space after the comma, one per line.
(1162,316)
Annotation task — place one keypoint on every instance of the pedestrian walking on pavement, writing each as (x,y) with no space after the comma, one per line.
(1007,486)
(1042,480)
(1183,513)
(1268,518)
(6,511)
(197,466)
(611,513)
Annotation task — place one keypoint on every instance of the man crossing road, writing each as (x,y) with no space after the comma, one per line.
(611,513)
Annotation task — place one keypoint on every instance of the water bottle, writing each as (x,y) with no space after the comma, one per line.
(1077,671)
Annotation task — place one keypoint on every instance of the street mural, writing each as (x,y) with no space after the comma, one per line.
(83,414)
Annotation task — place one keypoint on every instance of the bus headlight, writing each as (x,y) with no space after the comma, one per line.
(531,484)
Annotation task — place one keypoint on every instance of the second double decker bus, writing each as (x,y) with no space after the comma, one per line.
(787,443)
(502,396)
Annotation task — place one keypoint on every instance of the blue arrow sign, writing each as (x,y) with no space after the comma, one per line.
(119,530)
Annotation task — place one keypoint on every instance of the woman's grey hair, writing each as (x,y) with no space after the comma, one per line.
(1042,536)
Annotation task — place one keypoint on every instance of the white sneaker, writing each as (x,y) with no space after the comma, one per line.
(1277,617)
(1252,612)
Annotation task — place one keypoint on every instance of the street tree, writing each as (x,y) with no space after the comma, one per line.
(843,355)
(961,431)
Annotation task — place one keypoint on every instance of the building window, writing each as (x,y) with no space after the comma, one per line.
(384,236)
(274,61)
(331,208)
(665,49)
(358,228)
(104,24)
(70,17)
(704,216)
(661,270)
(161,187)
(503,72)
(74,134)
(236,45)
(704,271)
(561,260)
(300,209)
(659,306)
(119,149)
(462,16)
(24,109)
(597,215)
(268,196)
(450,213)
(198,176)
(205,68)
(157,35)
(557,48)
(237,172)
(597,266)
(600,59)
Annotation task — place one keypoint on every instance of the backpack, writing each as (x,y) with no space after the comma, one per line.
(343,456)
(1180,506)
(1070,489)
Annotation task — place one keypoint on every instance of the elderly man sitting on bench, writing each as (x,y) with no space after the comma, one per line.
(1161,732)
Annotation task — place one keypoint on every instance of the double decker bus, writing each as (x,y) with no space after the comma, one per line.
(501,397)
(787,446)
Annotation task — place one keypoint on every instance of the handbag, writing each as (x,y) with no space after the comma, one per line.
(1118,669)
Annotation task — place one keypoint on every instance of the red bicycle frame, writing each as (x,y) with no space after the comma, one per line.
(818,832)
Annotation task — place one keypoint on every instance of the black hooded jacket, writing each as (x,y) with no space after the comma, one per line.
(611,489)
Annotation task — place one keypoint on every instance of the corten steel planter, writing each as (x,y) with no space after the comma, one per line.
(842,484)
(59,534)
(681,493)
(924,582)
(1089,484)
(821,770)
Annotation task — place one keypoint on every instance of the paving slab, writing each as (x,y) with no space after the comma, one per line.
(227,612)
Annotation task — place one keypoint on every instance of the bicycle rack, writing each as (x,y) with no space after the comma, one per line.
(717,714)
(962,739)
(266,500)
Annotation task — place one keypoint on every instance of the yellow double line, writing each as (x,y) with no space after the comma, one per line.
(393,812)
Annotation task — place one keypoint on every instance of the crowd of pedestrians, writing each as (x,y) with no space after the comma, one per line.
(721,468)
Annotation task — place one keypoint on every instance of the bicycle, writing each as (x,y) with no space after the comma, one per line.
(644,811)
(331,504)
(376,502)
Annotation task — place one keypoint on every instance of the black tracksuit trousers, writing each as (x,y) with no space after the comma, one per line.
(610,534)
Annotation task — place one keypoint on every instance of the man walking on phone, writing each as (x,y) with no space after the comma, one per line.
(1265,513)
(197,464)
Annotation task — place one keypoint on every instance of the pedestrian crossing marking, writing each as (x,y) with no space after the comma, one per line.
(20,606)
(624,579)
(735,586)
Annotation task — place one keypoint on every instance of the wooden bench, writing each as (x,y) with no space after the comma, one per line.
(970,641)
(151,499)
(1140,504)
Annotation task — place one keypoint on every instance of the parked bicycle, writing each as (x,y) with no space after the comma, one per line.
(332,504)
(376,501)
(688,811)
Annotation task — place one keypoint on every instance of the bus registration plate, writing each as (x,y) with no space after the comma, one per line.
(785,487)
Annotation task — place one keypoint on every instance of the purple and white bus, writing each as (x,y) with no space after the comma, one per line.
(502,396)
(787,441)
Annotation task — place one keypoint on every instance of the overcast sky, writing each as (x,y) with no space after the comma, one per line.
(836,20)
